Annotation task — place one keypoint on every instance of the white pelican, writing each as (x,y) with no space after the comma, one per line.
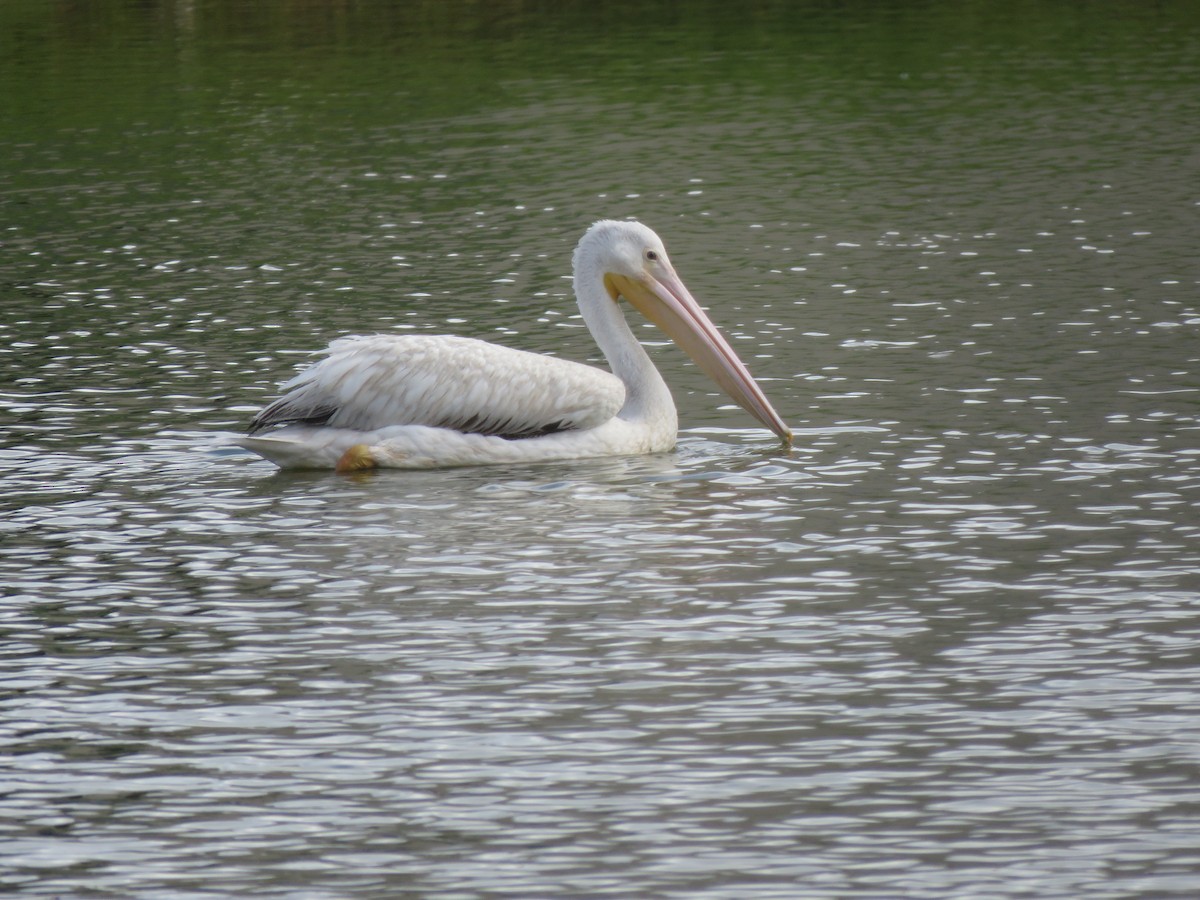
(422,401)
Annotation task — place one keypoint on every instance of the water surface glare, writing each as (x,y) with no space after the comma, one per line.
(948,646)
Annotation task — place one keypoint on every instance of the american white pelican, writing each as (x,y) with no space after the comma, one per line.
(422,401)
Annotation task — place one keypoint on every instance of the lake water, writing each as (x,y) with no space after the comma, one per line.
(949,646)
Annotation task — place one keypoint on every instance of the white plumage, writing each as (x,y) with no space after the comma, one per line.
(418,401)
(453,382)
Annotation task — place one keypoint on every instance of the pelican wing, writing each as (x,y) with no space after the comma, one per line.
(470,386)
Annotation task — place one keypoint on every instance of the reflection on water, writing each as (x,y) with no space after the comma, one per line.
(945,647)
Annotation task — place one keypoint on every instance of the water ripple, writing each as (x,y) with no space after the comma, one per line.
(945,647)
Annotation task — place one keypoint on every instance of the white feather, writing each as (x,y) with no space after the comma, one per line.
(452,382)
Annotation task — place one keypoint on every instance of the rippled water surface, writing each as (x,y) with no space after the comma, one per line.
(948,646)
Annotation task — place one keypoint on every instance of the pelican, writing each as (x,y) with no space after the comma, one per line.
(424,401)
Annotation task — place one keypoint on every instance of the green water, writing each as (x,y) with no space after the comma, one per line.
(944,648)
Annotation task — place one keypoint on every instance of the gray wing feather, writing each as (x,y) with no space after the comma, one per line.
(365,383)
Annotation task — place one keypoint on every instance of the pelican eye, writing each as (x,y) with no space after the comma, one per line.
(652,255)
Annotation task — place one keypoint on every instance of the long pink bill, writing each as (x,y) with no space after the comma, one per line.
(666,302)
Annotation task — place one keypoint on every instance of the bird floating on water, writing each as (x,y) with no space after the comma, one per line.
(424,401)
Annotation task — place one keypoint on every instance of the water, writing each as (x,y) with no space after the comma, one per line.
(947,647)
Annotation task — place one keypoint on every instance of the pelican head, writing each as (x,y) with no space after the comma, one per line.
(635,266)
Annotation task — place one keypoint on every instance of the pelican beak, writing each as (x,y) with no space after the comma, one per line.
(664,300)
